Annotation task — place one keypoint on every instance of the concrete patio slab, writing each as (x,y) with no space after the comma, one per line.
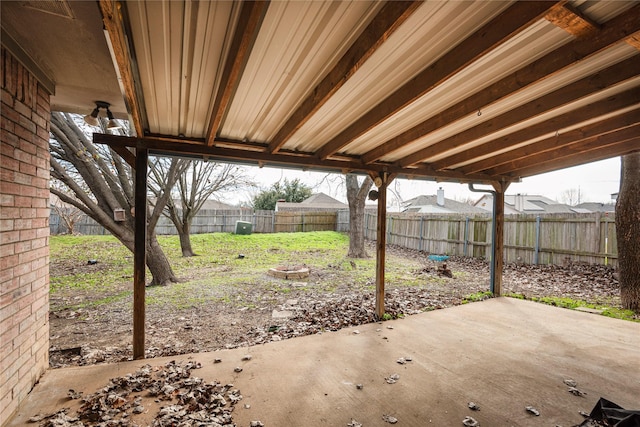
(503,354)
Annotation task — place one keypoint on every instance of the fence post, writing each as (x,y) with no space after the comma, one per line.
(421,225)
(536,250)
(466,235)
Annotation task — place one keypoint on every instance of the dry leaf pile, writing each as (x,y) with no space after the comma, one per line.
(184,400)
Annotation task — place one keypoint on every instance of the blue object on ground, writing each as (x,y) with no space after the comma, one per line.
(438,258)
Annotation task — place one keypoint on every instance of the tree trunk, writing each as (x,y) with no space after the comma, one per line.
(628,231)
(158,264)
(357,196)
(184,233)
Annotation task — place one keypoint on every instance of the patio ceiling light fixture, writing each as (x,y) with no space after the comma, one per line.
(92,119)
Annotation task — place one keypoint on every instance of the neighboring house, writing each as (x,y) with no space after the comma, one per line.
(438,204)
(318,202)
(595,207)
(525,204)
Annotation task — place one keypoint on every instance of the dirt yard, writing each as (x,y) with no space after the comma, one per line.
(277,309)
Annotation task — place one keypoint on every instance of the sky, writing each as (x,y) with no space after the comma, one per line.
(595,182)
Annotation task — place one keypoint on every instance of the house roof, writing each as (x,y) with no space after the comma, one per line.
(316,201)
(429,204)
(457,91)
(526,203)
(596,207)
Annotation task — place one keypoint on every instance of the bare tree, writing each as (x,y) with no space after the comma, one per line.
(628,231)
(571,196)
(98,182)
(197,182)
(356,197)
(68,214)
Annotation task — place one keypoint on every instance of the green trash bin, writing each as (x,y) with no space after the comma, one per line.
(243,227)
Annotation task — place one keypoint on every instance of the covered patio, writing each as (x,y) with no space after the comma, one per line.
(502,354)
(470,92)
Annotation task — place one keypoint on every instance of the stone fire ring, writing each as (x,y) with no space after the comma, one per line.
(282,272)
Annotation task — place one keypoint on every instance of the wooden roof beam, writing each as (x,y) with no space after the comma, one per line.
(565,95)
(118,40)
(611,124)
(571,20)
(613,32)
(600,143)
(181,147)
(251,16)
(512,21)
(392,15)
(617,149)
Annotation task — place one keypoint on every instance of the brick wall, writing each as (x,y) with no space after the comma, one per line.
(24,233)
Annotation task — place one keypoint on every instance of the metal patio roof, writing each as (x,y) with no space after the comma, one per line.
(450,90)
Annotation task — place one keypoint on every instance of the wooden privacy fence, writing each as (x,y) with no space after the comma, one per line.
(529,239)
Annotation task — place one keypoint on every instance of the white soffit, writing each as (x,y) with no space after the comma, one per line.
(426,36)
(611,91)
(583,69)
(178,51)
(298,44)
(525,48)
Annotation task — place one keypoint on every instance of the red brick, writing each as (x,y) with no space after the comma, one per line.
(10,163)
(23,109)
(9,212)
(7,200)
(10,114)
(28,169)
(7,176)
(29,234)
(8,262)
(23,202)
(22,179)
(6,250)
(28,212)
(22,246)
(10,237)
(27,123)
(6,224)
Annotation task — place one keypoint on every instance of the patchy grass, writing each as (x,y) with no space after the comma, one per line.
(478,296)
(572,304)
(227,267)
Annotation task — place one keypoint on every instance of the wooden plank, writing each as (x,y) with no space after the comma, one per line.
(615,31)
(381,242)
(140,253)
(591,130)
(571,20)
(599,81)
(509,23)
(389,18)
(113,21)
(599,143)
(251,16)
(614,150)
(498,254)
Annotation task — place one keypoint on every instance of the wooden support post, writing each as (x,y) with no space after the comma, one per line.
(140,253)
(498,255)
(381,242)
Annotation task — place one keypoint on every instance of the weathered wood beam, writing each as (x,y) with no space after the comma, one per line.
(498,238)
(251,16)
(392,15)
(549,144)
(180,147)
(140,253)
(381,243)
(571,20)
(614,150)
(127,155)
(634,41)
(563,96)
(512,21)
(113,21)
(615,31)
(601,143)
